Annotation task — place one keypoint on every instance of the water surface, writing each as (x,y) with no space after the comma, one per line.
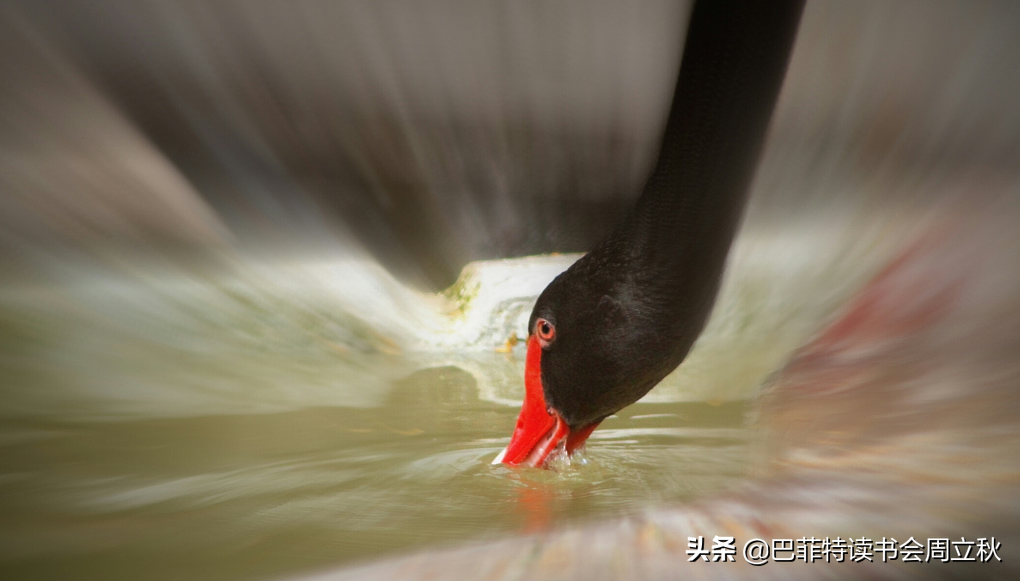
(255,495)
(262,419)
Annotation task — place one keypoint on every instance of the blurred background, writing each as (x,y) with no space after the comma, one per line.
(256,312)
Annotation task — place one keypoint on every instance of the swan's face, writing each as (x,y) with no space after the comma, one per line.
(587,358)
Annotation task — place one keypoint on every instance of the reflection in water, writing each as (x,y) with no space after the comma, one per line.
(223,226)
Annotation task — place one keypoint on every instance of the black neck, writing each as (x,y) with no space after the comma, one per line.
(733,65)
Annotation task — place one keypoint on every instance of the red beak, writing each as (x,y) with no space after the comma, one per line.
(540,429)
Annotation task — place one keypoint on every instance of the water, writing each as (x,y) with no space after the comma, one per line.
(262,419)
(255,419)
(248,496)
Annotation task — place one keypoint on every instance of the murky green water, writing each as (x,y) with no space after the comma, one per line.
(268,421)
(253,496)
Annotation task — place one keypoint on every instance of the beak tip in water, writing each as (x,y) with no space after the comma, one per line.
(499,458)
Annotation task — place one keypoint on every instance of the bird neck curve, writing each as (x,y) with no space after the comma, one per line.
(734,60)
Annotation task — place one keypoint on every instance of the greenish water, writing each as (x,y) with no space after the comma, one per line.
(267,421)
(255,496)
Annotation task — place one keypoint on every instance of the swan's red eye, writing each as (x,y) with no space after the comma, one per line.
(545,330)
